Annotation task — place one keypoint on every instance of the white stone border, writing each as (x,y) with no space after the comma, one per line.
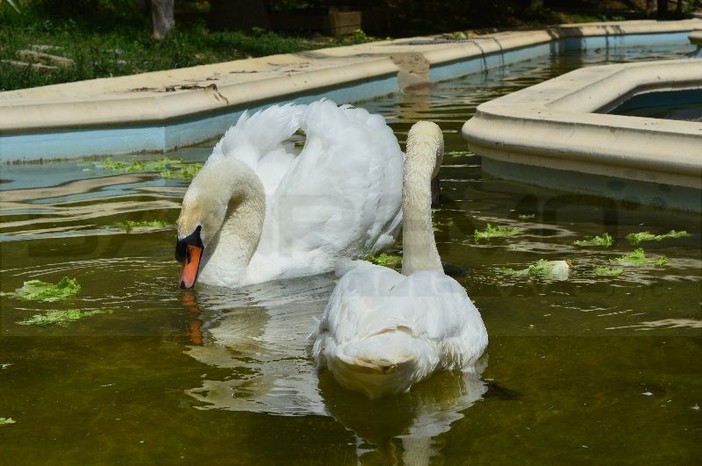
(555,125)
(160,111)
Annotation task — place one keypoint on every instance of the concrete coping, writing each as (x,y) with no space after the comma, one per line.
(560,124)
(164,95)
(185,106)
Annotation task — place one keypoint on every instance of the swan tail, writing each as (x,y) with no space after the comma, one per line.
(384,364)
(264,131)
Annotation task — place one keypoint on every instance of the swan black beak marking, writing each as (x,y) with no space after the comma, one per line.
(189,252)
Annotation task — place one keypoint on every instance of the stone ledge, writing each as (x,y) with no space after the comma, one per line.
(555,125)
(167,106)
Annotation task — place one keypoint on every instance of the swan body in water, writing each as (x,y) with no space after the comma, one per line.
(384,331)
(261,209)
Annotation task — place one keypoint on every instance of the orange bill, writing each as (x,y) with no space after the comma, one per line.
(191,264)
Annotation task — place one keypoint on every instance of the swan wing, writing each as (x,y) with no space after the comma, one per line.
(341,195)
(262,141)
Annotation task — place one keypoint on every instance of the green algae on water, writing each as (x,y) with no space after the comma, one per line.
(495,232)
(602,271)
(4,421)
(386,260)
(638,238)
(59,317)
(604,240)
(544,269)
(37,290)
(129,225)
(638,259)
(166,167)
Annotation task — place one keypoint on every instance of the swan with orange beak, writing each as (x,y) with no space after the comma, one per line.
(263,208)
(189,252)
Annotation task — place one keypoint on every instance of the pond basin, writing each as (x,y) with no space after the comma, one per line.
(595,369)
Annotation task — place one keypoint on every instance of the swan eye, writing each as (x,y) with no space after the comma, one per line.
(181,252)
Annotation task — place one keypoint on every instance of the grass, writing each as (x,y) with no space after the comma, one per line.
(107,50)
(108,38)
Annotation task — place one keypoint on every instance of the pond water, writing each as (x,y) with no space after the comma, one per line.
(592,369)
(670,105)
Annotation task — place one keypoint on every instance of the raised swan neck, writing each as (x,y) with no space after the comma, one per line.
(423,158)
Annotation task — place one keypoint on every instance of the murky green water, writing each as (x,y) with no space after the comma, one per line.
(592,370)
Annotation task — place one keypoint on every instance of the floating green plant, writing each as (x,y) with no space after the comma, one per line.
(495,232)
(602,271)
(604,240)
(166,167)
(59,317)
(438,225)
(6,421)
(37,290)
(386,260)
(545,269)
(185,171)
(638,238)
(638,259)
(526,216)
(129,225)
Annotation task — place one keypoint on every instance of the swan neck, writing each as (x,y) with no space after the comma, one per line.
(419,246)
(246,210)
(243,201)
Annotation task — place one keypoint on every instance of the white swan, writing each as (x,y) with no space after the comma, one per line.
(383,331)
(259,210)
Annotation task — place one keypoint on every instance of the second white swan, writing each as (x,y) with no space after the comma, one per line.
(382,331)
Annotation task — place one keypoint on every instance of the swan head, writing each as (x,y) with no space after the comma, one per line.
(201,217)
(429,133)
(425,138)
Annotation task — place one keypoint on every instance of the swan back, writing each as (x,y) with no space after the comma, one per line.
(383,332)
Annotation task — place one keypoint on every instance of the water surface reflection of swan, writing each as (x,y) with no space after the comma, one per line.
(257,336)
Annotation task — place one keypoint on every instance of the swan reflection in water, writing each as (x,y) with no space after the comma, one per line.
(260,334)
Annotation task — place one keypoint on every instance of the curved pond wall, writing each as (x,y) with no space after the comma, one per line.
(557,134)
(163,110)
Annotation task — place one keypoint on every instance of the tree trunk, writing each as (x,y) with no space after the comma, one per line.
(662,9)
(536,4)
(162,19)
